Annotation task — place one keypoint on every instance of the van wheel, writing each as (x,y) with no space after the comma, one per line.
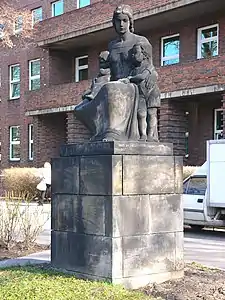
(197,227)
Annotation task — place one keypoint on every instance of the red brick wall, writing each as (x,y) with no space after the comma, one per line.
(76,131)
(58,68)
(98,13)
(12,112)
(49,135)
(201,125)
(189,73)
(173,124)
(46,5)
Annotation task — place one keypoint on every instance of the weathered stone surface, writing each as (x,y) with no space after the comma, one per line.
(166,213)
(65,175)
(179,258)
(116,147)
(117,258)
(136,282)
(146,214)
(178,168)
(89,214)
(101,175)
(82,214)
(131,215)
(123,220)
(149,254)
(148,174)
(82,253)
(62,212)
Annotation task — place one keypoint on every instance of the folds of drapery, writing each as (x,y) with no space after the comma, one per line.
(112,114)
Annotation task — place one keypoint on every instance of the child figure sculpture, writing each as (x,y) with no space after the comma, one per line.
(145,77)
(102,77)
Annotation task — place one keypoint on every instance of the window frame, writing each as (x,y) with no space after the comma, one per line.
(32,12)
(165,58)
(2,27)
(11,82)
(78,4)
(0,144)
(12,143)
(217,132)
(52,4)
(30,141)
(78,68)
(35,76)
(205,40)
(17,31)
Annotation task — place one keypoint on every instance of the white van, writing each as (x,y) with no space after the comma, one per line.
(204,190)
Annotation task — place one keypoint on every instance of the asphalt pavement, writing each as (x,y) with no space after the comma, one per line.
(206,247)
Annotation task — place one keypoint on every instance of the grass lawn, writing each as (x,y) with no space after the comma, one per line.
(34,283)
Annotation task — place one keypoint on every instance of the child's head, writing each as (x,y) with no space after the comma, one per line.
(104,60)
(141,52)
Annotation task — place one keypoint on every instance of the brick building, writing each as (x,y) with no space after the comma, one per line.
(41,83)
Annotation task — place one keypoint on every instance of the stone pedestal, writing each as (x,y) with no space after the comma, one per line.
(116,212)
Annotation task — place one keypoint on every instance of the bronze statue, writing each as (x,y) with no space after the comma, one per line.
(119,109)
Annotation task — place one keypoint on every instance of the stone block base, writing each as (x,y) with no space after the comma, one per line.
(117,213)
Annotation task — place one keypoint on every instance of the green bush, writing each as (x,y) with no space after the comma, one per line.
(21,180)
(188,170)
(35,283)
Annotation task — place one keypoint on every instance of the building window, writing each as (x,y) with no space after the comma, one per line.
(82,3)
(218,124)
(36,15)
(14,74)
(57,8)
(34,74)
(18,25)
(208,41)
(0,144)
(31,141)
(14,147)
(81,68)
(170,50)
(1,31)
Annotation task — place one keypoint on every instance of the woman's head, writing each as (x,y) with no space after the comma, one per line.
(123,19)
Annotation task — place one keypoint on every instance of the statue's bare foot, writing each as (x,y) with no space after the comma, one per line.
(143,138)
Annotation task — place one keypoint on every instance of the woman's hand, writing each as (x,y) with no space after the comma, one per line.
(124,80)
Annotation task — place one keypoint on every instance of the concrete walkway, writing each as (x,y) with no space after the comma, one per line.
(32,259)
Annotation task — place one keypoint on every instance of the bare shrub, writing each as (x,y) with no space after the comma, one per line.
(22,181)
(33,219)
(9,221)
(20,220)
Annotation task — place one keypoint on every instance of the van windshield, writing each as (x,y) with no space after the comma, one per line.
(195,186)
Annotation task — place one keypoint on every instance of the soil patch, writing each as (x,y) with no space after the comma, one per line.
(19,250)
(199,283)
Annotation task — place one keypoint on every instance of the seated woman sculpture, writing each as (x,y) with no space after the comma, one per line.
(112,113)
